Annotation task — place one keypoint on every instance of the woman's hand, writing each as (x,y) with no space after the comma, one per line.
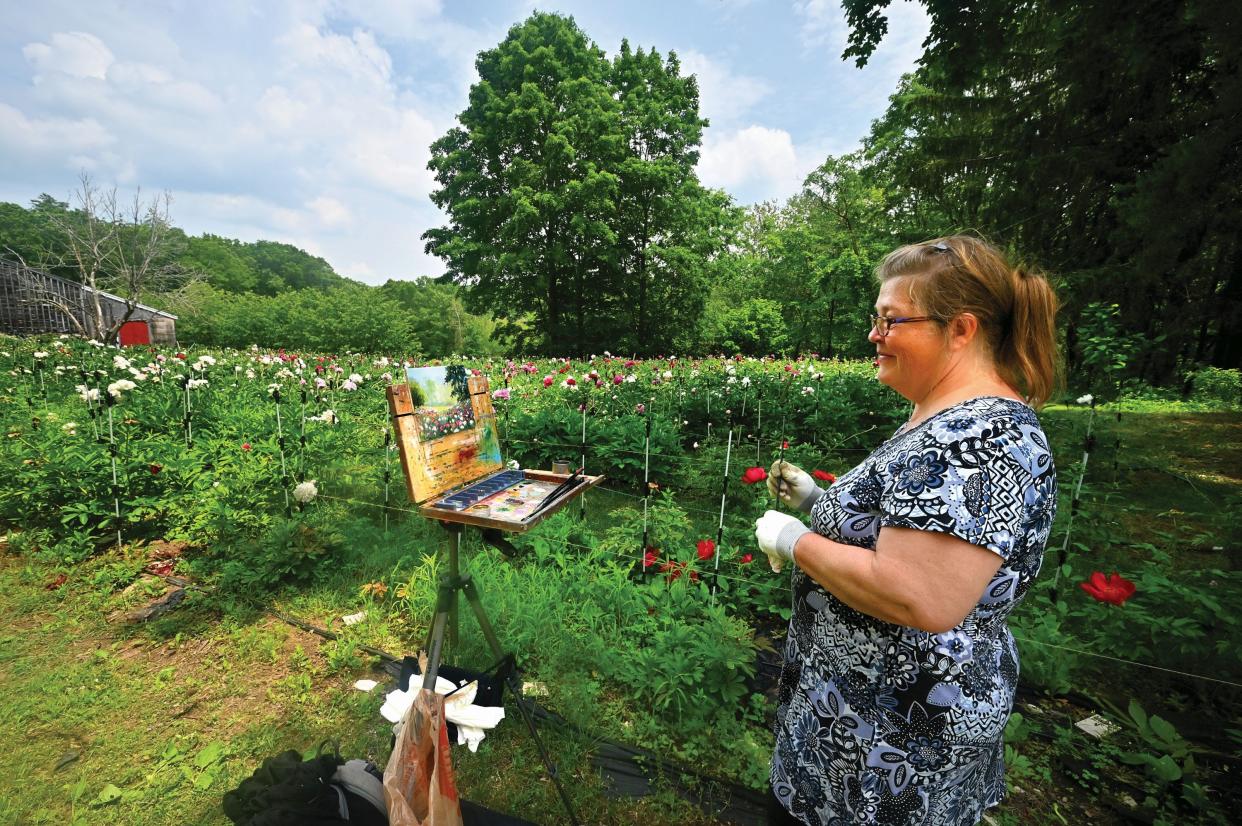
(777,534)
(794,485)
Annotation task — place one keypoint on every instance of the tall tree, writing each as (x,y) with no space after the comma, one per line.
(669,227)
(527,180)
(1105,144)
(572,197)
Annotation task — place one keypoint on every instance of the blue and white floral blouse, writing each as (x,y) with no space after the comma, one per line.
(880,723)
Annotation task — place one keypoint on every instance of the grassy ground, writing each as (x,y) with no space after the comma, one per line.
(112,722)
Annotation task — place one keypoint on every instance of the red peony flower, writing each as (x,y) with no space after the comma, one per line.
(672,571)
(651,557)
(746,559)
(571,381)
(618,378)
(1115,589)
(823,475)
(754,474)
(706,549)
(246,446)
(547,381)
(154,468)
(694,576)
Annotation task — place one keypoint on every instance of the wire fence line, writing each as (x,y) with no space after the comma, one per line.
(656,572)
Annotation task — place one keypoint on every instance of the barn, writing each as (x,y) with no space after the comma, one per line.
(33,302)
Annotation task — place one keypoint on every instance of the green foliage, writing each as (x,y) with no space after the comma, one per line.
(571,194)
(438,319)
(1005,118)
(344,319)
(1216,386)
(290,550)
(755,327)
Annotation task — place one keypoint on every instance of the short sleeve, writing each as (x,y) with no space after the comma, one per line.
(966,481)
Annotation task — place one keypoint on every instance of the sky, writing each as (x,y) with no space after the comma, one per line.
(310,121)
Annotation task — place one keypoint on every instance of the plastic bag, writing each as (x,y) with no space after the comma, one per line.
(418,781)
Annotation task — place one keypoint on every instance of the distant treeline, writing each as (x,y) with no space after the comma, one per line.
(271,294)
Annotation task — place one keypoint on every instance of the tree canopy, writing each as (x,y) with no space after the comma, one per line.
(572,199)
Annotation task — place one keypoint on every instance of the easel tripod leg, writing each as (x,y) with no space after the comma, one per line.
(489,633)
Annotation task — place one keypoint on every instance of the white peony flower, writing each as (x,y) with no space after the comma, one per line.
(305,492)
(1087,399)
(327,417)
(194,384)
(348,384)
(120,362)
(70,427)
(355,378)
(42,354)
(120,386)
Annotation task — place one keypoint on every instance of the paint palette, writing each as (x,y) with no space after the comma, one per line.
(480,490)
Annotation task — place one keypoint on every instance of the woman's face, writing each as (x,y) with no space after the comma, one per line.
(912,358)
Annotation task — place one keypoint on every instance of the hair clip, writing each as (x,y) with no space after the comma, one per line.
(940,246)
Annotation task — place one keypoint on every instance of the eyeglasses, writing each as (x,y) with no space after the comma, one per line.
(882,324)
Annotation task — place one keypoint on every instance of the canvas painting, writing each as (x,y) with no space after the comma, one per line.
(441,400)
(451,438)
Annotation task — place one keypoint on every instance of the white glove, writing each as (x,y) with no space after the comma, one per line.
(795,485)
(777,533)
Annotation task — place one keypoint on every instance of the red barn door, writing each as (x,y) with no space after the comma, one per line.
(135,332)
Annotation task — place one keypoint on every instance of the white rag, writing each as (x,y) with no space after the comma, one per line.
(470,719)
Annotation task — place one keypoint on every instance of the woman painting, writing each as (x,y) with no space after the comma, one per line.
(899,669)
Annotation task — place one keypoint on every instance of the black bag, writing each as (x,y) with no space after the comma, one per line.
(289,791)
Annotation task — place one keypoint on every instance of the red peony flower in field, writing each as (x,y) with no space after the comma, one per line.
(1115,589)
(154,468)
(694,576)
(571,381)
(706,548)
(547,381)
(823,475)
(672,570)
(180,356)
(630,363)
(651,557)
(754,474)
(618,379)
(246,446)
(746,559)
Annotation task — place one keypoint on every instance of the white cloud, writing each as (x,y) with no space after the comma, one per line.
(724,96)
(329,211)
(50,136)
(756,158)
(78,54)
(823,22)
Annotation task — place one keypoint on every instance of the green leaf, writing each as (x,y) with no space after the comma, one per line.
(210,754)
(1166,769)
(1163,729)
(109,794)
